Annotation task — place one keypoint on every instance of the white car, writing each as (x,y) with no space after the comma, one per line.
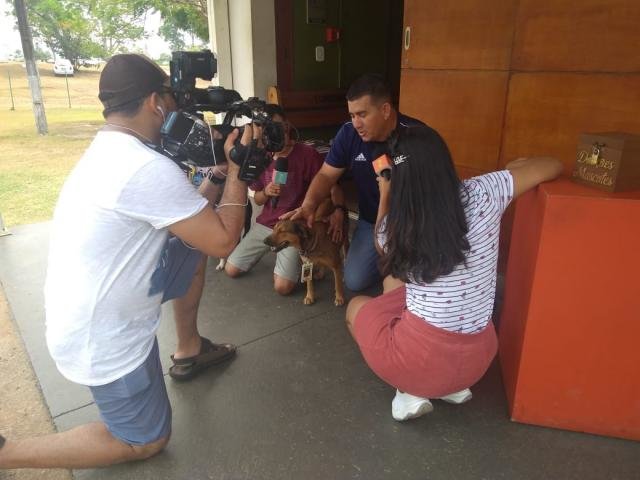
(63,67)
(90,62)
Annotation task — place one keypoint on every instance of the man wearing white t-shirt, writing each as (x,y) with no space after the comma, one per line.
(113,261)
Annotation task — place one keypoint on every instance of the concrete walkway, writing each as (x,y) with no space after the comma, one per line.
(298,402)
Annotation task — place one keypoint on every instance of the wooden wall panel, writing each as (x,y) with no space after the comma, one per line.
(570,35)
(460,34)
(579,55)
(547,112)
(466,108)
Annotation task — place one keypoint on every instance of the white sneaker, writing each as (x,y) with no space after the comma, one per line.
(406,406)
(458,397)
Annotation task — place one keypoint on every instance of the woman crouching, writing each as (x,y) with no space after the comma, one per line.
(430,333)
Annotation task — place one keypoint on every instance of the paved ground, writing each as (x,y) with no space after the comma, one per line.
(23,411)
(298,402)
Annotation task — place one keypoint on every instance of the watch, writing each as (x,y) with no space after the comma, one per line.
(341,207)
(216,180)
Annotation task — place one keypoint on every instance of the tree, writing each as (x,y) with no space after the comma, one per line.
(17,55)
(32,72)
(117,22)
(40,54)
(77,29)
(163,59)
(182,18)
(62,25)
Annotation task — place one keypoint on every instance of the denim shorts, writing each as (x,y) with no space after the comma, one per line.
(175,270)
(135,408)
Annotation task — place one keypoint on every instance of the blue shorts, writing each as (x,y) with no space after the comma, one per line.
(175,270)
(135,408)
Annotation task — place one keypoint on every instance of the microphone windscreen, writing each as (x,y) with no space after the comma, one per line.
(282,164)
(382,164)
(280,171)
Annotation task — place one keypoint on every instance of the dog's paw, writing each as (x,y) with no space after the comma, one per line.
(338,302)
(309,300)
(221,264)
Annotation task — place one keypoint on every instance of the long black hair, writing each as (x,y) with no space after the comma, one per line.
(426,226)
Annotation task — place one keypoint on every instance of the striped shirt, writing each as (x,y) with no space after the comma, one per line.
(462,301)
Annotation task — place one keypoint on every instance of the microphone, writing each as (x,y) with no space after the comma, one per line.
(382,166)
(279,176)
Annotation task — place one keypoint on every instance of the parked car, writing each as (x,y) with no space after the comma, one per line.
(89,62)
(63,67)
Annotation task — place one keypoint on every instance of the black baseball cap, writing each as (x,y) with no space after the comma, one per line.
(128,77)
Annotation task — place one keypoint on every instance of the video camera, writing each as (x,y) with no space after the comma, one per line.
(186,137)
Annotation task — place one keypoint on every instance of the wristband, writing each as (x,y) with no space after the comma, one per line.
(215,180)
(341,207)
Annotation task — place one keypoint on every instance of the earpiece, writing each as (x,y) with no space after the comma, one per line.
(161,110)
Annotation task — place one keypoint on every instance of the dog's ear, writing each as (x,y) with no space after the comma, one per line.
(302,231)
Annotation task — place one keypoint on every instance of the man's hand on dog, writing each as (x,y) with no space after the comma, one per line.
(336,222)
(307,213)
(304,212)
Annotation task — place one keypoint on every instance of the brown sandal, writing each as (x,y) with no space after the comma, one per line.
(210,354)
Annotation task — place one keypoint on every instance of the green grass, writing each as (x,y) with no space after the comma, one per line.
(33,167)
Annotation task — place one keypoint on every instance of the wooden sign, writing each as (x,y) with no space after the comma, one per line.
(609,161)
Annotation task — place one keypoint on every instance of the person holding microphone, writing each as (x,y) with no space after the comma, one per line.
(430,334)
(280,188)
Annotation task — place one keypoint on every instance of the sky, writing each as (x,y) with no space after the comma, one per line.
(10,38)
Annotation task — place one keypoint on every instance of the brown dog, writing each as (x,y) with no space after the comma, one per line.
(315,246)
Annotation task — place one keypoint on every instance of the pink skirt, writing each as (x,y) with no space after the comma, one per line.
(416,357)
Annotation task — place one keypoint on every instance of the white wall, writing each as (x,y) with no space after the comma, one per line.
(220,40)
(241,46)
(264,47)
(242,34)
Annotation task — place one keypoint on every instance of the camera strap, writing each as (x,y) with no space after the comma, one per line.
(158,148)
(146,142)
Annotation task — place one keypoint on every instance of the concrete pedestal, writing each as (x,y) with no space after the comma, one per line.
(570,325)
